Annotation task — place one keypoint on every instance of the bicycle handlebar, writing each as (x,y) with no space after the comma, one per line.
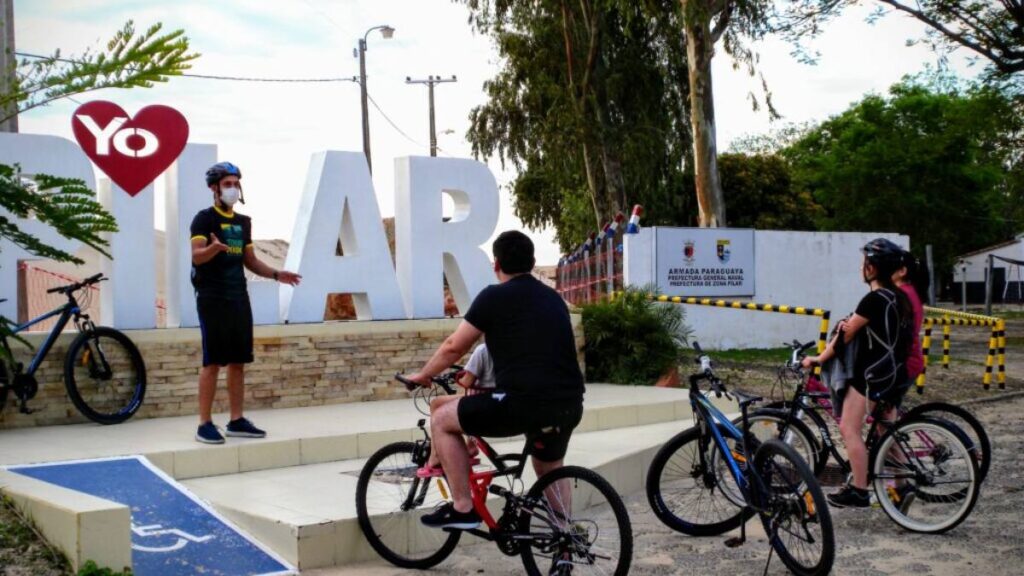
(707,372)
(77,285)
(410,385)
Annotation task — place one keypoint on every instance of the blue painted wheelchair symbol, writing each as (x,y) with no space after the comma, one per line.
(182,538)
(173,532)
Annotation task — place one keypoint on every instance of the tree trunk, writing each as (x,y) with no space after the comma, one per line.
(699,51)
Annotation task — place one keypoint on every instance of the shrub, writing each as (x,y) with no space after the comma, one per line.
(632,340)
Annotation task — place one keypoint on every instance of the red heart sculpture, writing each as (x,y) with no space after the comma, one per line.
(131,151)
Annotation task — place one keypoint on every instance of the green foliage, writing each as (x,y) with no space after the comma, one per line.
(91,569)
(942,166)
(632,340)
(130,61)
(66,204)
(588,106)
(759,194)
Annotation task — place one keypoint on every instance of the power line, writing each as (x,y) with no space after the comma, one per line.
(399,130)
(214,76)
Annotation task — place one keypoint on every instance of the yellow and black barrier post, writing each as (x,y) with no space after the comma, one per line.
(740,305)
(926,344)
(996,342)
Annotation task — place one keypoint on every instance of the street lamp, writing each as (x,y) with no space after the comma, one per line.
(387,32)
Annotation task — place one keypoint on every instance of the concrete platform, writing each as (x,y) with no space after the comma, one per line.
(296,436)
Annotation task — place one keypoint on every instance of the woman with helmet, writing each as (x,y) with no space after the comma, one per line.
(882,327)
(221,249)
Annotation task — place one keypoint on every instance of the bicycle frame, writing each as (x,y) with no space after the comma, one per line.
(708,414)
(66,312)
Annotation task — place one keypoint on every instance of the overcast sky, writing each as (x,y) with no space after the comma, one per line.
(271,130)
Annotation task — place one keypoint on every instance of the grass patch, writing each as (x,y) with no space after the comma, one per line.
(771,356)
(22,548)
(1015,340)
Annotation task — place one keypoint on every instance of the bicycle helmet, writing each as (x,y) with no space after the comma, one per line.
(221,170)
(881,251)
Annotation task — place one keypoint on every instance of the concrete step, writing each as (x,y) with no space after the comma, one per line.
(297,436)
(307,514)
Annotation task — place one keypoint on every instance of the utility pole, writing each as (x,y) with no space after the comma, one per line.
(387,32)
(430,81)
(8,66)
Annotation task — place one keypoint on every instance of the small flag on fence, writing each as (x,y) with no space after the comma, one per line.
(634,220)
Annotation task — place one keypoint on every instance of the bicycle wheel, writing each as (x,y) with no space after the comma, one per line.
(818,427)
(924,475)
(686,493)
(766,424)
(574,522)
(793,510)
(390,500)
(980,445)
(104,375)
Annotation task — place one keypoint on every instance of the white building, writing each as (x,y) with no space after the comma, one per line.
(1007,276)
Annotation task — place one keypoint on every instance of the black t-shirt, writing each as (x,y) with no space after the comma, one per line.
(529,335)
(224,275)
(882,310)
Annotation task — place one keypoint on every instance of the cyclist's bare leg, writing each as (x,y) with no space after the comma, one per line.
(236,389)
(207,391)
(435,405)
(446,436)
(850,427)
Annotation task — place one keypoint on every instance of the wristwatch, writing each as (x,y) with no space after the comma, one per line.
(275,274)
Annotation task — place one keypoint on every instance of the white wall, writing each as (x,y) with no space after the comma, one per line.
(811,269)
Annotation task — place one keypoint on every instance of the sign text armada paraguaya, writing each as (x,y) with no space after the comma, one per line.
(681,277)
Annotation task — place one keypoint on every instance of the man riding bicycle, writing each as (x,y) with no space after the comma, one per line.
(539,390)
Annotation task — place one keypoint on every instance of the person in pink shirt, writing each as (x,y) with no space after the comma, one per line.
(912,279)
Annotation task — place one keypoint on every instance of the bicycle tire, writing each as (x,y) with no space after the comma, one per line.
(658,488)
(819,428)
(585,553)
(789,486)
(81,354)
(406,470)
(982,449)
(955,453)
(801,436)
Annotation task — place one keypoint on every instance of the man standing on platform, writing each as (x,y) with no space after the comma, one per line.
(221,248)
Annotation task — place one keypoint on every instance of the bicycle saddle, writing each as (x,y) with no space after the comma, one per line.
(744,398)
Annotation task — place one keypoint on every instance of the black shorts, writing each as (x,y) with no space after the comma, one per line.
(548,425)
(226,326)
(892,396)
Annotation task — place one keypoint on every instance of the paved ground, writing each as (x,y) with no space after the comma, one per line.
(990,541)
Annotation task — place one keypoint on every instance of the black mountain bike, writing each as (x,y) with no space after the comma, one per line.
(104,373)
(923,468)
(571,521)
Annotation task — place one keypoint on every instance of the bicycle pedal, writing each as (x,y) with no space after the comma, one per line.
(735,542)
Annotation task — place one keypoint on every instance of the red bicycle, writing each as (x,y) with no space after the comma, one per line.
(571,520)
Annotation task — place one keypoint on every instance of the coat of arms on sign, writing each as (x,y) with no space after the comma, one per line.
(724,251)
(688,251)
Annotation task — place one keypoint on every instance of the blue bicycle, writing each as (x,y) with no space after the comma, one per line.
(713,477)
(104,373)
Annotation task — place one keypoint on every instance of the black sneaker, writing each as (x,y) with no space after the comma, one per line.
(447,516)
(242,428)
(208,434)
(850,497)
